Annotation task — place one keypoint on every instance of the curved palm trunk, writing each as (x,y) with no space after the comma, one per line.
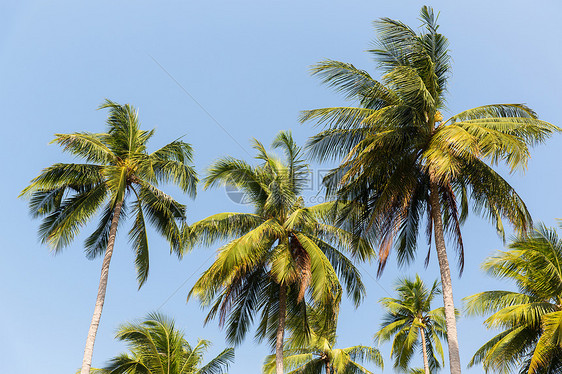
(452,340)
(424,350)
(89,350)
(328,371)
(281,329)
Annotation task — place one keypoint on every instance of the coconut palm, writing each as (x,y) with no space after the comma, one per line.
(119,178)
(277,257)
(317,354)
(531,317)
(411,324)
(157,347)
(407,164)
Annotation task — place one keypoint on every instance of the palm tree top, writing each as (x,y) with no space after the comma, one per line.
(158,347)
(283,254)
(396,141)
(273,187)
(408,319)
(413,297)
(118,170)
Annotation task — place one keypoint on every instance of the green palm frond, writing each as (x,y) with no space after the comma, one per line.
(139,239)
(217,365)
(91,147)
(222,226)
(59,228)
(62,176)
(354,83)
(96,244)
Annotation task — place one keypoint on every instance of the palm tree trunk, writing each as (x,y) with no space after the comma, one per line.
(281,329)
(89,350)
(424,350)
(450,321)
(328,368)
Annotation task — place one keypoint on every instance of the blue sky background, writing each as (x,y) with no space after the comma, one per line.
(246,63)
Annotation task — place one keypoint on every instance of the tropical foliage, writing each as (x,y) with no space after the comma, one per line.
(119,178)
(405,167)
(278,258)
(531,317)
(406,164)
(317,353)
(411,324)
(158,347)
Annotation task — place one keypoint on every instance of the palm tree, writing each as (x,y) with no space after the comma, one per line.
(118,177)
(277,255)
(157,347)
(531,317)
(409,319)
(316,353)
(403,161)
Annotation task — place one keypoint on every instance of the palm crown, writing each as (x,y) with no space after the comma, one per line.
(118,167)
(409,319)
(278,254)
(531,317)
(403,160)
(397,142)
(158,347)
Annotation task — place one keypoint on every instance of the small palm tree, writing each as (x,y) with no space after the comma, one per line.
(278,256)
(157,347)
(118,176)
(317,354)
(403,160)
(531,317)
(411,321)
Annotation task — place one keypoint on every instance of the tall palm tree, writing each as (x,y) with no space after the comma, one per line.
(409,318)
(157,347)
(316,353)
(119,176)
(276,256)
(531,317)
(403,161)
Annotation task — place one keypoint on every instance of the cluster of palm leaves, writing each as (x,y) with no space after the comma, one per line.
(317,352)
(531,317)
(286,265)
(412,324)
(158,347)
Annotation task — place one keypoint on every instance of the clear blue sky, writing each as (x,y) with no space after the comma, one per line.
(246,63)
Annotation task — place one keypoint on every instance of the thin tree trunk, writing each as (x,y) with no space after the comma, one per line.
(328,371)
(281,329)
(446,284)
(424,350)
(89,350)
